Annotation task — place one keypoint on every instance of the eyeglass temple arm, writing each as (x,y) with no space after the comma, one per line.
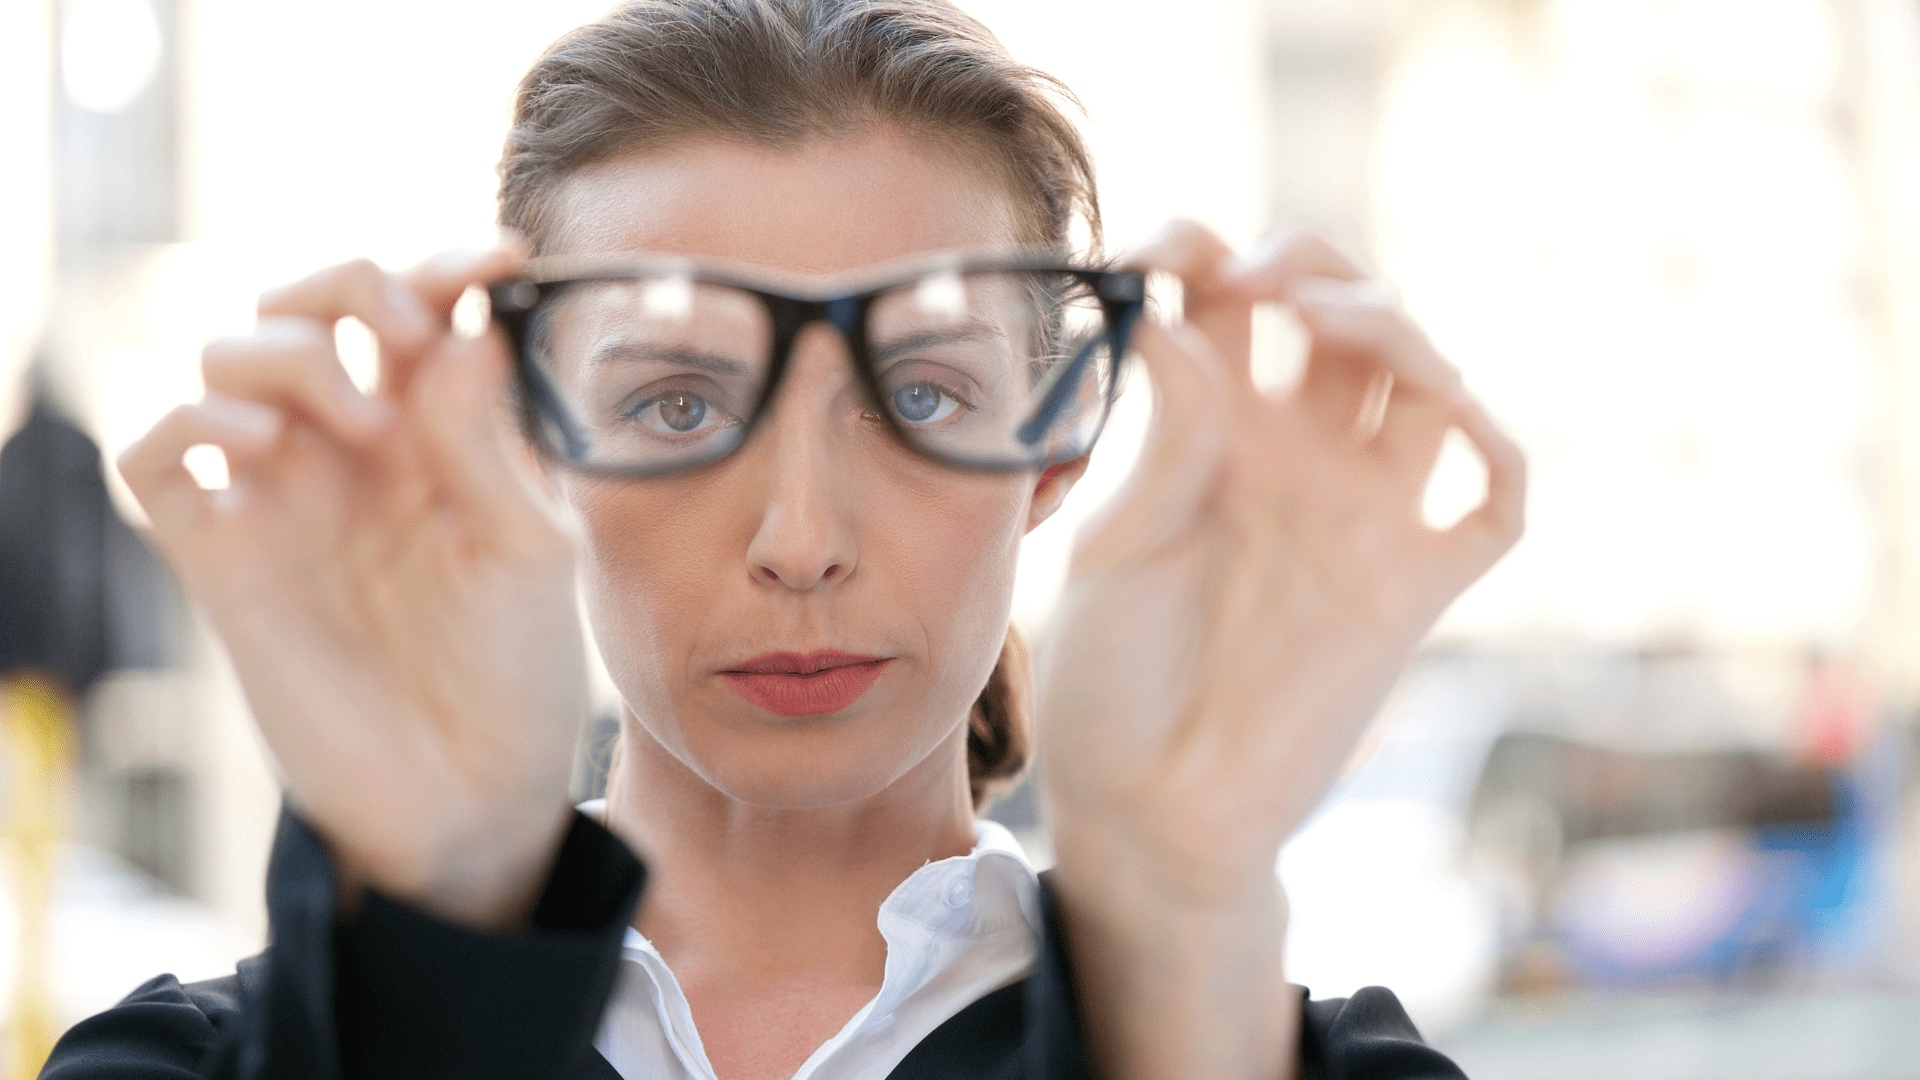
(1067,376)
(511,304)
(549,408)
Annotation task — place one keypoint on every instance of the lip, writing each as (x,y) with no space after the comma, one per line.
(805,684)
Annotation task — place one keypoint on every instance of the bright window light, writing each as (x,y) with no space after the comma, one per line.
(109,51)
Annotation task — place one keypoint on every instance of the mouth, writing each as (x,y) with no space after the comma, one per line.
(805,684)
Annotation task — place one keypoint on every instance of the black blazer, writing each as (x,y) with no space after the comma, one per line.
(393,993)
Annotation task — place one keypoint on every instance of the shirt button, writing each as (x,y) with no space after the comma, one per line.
(959,891)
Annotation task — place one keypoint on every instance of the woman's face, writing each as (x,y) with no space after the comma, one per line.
(822,540)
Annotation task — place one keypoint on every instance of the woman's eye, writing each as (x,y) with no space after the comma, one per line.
(676,412)
(923,403)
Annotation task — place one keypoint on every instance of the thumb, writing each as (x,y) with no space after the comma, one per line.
(1179,466)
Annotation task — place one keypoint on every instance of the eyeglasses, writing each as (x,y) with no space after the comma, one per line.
(652,366)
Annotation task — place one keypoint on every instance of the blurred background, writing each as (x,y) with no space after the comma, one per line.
(1647,805)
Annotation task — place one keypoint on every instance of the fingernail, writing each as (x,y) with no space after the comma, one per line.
(516,242)
(455,261)
(1244,261)
(260,423)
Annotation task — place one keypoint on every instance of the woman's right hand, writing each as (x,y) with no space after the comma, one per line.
(394,588)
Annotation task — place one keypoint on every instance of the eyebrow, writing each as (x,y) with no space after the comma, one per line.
(974,330)
(620,352)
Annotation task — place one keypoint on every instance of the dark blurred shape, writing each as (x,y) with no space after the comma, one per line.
(80,593)
(1597,793)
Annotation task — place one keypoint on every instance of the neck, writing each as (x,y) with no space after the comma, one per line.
(749,895)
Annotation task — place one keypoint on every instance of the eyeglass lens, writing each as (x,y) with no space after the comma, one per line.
(993,369)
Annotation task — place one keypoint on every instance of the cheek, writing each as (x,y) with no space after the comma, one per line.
(650,567)
(949,557)
(668,589)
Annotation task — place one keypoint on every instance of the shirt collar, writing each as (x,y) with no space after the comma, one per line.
(989,890)
(956,928)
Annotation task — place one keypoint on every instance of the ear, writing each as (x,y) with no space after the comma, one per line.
(1050,489)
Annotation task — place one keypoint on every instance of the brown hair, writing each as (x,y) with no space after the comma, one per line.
(1000,725)
(779,73)
(782,72)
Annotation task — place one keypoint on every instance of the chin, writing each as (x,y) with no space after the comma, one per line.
(811,763)
(776,791)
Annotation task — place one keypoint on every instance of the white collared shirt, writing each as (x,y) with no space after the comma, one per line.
(956,930)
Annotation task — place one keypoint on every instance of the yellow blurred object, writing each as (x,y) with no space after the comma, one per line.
(38,733)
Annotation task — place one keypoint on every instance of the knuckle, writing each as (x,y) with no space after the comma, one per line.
(316,289)
(223,350)
(1305,244)
(131,460)
(1185,247)
(293,336)
(279,346)
(1187,232)
(222,360)
(359,270)
(127,463)
(358,279)
(139,458)
(1511,526)
(1311,250)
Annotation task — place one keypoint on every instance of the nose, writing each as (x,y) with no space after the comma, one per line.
(806,536)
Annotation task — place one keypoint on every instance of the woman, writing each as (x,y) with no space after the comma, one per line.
(795,515)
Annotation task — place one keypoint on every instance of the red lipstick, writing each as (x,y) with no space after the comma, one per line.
(805,684)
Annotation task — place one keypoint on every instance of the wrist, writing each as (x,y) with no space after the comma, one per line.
(485,877)
(1165,865)
(1177,976)
(1191,906)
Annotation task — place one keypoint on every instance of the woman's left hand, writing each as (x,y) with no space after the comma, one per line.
(1231,624)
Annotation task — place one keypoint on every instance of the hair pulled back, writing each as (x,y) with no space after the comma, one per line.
(780,73)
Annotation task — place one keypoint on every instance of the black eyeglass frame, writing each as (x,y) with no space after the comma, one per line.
(545,416)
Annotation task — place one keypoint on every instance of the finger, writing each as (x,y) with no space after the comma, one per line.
(363,291)
(1362,345)
(1201,259)
(1271,274)
(291,362)
(1411,392)
(1180,463)
(1486,533)
(154,469)
(1363,317)
(439,283)
(1413,427)
(454,398)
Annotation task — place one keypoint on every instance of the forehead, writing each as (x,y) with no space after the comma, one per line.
(824,207)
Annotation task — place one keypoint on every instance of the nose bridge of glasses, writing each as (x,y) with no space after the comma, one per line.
(802,430)
(821,343)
